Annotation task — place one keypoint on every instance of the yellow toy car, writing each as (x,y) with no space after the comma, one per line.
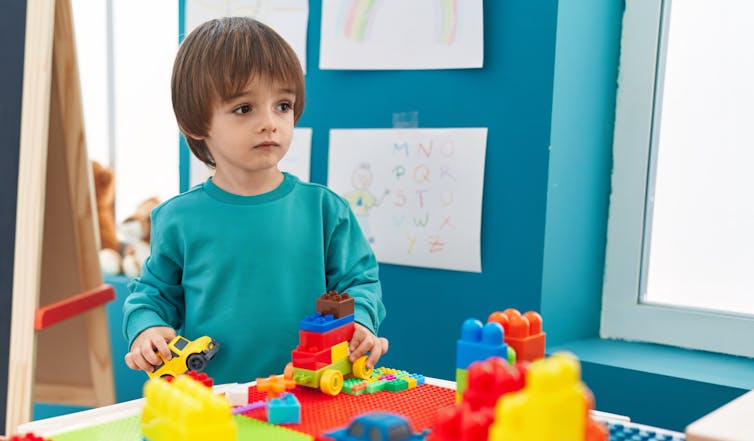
(187,355)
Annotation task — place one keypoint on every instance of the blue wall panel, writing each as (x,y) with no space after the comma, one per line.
(512,96)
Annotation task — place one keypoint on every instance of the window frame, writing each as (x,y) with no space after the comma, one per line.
(623,315)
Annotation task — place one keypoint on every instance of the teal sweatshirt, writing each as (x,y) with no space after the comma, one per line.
(245,269)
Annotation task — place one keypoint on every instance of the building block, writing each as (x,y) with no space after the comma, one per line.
(553,405)
(27,437)
(487,381)
(339,351)
(337,305)
(522,332)
(185,410)
(286,409)
(311,378)
(479,342)
(240,410)
(311,360)
(201,377)
(316,341)
(238,395)
(490,379)
(322,323)
(462,376)
(275,385)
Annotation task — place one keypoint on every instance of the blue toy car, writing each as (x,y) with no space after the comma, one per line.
(377,426)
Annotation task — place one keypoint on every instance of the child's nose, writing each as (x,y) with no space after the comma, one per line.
(267,122)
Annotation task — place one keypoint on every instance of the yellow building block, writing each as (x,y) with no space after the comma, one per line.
(339,351)
(185,410)
(552,406)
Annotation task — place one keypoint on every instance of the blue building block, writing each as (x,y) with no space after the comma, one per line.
(630,431)
(419,379)
(322,323)
(286,409)
(479,342)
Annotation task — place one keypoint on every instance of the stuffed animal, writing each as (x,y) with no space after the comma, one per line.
(131,244)
(104,191)
(135,232)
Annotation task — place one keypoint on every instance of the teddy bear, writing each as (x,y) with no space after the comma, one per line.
(135,232)
(125,246)
(133,239)
(104,195)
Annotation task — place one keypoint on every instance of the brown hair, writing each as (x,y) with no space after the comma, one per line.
(216,61)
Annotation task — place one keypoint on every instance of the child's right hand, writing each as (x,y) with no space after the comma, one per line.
(142,356)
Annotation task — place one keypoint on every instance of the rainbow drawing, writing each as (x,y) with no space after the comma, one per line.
(358,16)
(448,21)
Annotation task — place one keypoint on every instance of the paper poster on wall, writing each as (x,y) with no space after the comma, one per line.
(297,161)
(288,17)
(401,34)
(417,193)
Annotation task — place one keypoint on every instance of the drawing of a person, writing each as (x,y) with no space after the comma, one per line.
(361,199)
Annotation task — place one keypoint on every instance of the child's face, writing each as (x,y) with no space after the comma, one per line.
(252,132)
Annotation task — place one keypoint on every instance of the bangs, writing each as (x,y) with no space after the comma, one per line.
(248,51)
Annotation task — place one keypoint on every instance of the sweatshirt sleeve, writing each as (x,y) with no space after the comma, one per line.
(352,267)
(156,297)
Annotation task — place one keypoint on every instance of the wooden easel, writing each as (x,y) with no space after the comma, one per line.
(56,265)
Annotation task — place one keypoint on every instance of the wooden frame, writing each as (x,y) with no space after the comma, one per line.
(56,247)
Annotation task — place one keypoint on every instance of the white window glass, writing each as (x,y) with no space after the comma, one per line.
(90,29)
(701,245)
(145,39)
(680,246)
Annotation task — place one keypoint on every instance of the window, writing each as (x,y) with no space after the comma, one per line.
(356,430)
(125,56)
(680,248)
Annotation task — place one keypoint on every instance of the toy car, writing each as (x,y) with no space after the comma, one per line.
(377,426)
(187,355)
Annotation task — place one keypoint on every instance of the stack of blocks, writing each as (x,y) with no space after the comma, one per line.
(470,418)
(185,410)
(554,405)
(544,401)
(323,344)
(478,343)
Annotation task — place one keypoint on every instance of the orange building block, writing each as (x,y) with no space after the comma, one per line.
(522,332)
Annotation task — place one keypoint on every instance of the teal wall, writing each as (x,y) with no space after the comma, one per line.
(512,96)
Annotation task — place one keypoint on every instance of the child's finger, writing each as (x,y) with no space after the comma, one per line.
(356,340)
(162,347)
(360,350)
(385,345)
(129,362)
(374,356)
(140,363)
(146,350)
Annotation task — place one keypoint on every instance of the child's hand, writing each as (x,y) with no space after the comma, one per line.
(142,356)
(364,341)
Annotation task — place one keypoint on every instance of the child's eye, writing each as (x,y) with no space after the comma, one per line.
(240,110)
(285,106)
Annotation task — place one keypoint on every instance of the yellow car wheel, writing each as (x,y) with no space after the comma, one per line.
(331,382)
(360,369)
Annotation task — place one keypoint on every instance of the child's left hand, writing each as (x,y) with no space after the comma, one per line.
(364,341)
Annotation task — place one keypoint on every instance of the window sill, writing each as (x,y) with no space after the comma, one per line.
(699,366)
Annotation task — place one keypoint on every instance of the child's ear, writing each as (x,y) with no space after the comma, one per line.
(196,137)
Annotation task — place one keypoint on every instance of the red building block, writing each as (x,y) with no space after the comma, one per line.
(315,341)
(337,305)
(522,332)
(304,359)
(490,379)
(201,377)
(470,419)
(27,437)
